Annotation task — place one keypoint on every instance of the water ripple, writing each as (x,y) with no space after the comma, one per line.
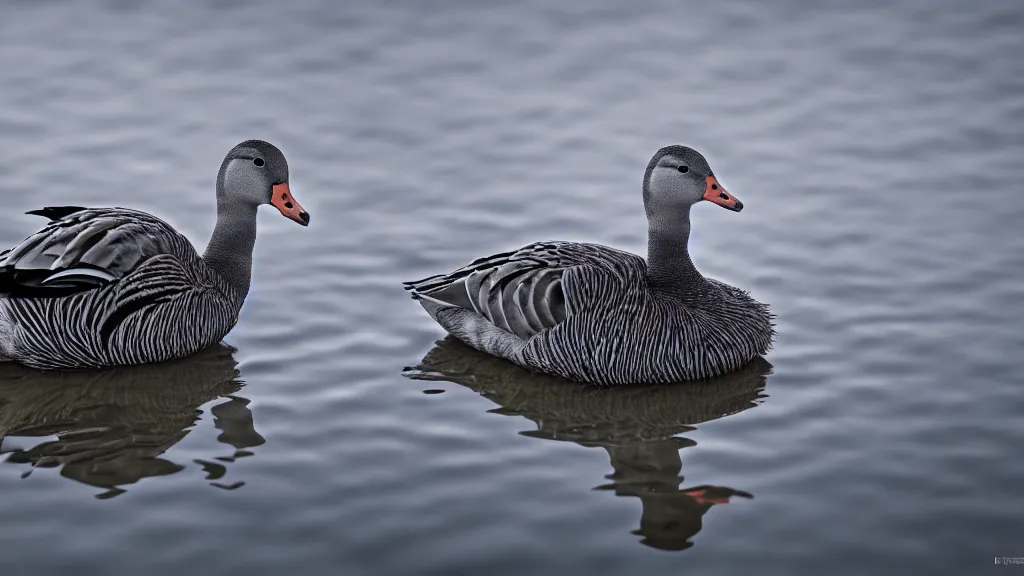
(877,149)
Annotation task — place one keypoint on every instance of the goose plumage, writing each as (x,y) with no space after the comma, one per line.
(103,287)
(595,314)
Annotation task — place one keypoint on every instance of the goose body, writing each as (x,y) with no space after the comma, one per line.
(596,314)
(102,287)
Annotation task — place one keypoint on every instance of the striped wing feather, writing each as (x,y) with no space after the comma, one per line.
(522,291)
(83,249)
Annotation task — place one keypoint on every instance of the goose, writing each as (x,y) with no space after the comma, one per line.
(107,287)
(599,315)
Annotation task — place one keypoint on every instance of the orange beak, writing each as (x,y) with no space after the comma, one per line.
(283,201)
(718,195)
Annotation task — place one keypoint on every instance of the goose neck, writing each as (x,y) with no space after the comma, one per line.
(229,252)
(669,267)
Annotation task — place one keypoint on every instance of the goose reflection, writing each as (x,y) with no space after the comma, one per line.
(110,428)
(637,426)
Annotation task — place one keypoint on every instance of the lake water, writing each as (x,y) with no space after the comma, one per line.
(879,150)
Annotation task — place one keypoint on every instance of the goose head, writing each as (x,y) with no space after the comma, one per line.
(679,177)
(256,173)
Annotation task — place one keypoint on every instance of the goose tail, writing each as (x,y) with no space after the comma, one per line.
(475,330)
(466,324)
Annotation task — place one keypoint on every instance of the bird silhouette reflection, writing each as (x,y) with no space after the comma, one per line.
(639,427)
(112,428)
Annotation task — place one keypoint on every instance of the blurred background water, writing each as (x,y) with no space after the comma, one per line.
(878,150)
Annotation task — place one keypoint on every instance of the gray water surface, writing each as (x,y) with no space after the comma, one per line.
(877,149)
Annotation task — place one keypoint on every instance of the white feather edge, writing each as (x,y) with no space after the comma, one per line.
(82,272)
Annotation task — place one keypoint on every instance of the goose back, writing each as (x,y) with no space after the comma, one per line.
(80,249)
(108,287)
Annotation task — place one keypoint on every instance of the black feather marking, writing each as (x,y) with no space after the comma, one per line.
(414,283)
(56,212)
(28,284)
(506,280)
(90,242)
(502,256)
(130,307)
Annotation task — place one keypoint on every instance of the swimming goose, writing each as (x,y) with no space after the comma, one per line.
(596,314)
(103,287)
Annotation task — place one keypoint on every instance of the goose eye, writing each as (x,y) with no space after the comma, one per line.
(683,169)
(259,162)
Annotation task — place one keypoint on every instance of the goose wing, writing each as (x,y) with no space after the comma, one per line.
(528,291)
(82,249)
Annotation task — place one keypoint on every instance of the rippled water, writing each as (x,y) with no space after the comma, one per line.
(878,151)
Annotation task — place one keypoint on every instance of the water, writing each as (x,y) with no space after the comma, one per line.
(877,150)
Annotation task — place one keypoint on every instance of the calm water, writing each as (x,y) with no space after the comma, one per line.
(878,151)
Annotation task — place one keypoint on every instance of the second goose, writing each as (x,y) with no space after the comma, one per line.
(595,314)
